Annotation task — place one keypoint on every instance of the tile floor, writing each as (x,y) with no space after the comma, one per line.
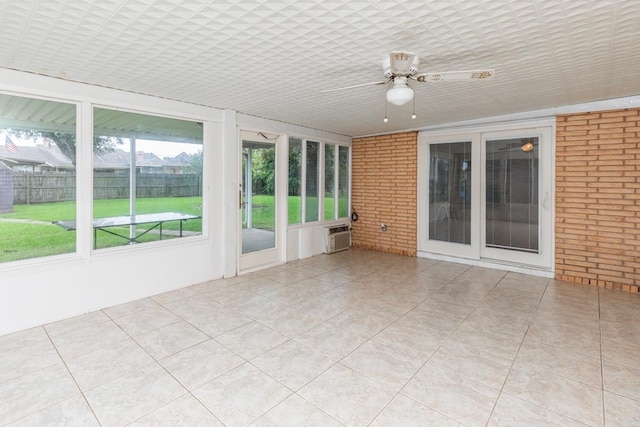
(355,338)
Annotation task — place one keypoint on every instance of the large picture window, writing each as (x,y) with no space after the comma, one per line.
(37,177)
(147,178)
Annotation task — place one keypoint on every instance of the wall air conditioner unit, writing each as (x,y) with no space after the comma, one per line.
(338,238)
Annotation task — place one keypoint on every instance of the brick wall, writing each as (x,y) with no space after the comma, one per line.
(384,180)
(598,198)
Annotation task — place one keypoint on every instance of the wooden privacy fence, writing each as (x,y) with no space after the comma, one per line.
(46,187)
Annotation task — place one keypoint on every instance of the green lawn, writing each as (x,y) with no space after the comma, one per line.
(33,234)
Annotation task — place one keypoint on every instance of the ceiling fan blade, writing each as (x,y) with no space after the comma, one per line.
(452,76)
(355,86)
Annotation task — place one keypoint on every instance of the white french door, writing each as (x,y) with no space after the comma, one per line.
(487,195)
(261,202)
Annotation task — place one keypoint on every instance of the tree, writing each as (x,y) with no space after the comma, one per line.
(66,142)
(263,171)
(195,163)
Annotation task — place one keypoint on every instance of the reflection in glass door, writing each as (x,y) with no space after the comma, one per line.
(258,196)
(511,218)
(450,192)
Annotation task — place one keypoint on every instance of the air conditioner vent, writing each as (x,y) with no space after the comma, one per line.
(338,238)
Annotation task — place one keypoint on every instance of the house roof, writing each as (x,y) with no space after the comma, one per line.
(36,155)
(273,58)
(119,159)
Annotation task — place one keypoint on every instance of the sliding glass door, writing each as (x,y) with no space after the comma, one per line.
(486,196)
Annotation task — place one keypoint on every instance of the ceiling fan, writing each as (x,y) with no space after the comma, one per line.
(400,67)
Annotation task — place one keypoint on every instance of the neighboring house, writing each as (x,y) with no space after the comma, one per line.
(179,164)
(41,158)
(119,161)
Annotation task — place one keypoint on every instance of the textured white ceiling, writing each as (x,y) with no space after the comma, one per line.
(273,58)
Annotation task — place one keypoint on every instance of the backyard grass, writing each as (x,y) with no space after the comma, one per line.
(29,232)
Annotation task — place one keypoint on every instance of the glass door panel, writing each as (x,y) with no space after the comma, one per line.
(450,192)
(258,196)
(512,179)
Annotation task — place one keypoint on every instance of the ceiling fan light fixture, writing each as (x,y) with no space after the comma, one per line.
(527,147)
(400,93)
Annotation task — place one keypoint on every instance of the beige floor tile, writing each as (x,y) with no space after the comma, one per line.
(256,306)
(295,412)
(35,391)
(242,395)
(561,361)
(25,352)
(175,295)
(170,339)
(498,343)
(70,412)
(184,411)
(292,321)
(251,340)
(108,363)
(403,412)
(511,411)
(208,315)
(133,395)
(330,340)
(346,395)
(621,380)
(88,339)
(292,364)
(383,364)
(130,308)
(624,354)
(565,396)
(73,324)
(201,363)
(411,339)
(446,323)
(568,336)
(361,322)
(470,362)
(620,411)
(453,395)
(147,320)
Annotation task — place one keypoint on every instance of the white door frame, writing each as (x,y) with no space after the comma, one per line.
(272,256)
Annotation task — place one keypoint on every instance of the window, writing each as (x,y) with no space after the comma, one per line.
(336,182)
(312,192)
(329,181)
(295,181)
(343,182)
(147,178)
(37,178)
(304,194)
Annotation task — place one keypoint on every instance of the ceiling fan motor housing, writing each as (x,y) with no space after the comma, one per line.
(400,64)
